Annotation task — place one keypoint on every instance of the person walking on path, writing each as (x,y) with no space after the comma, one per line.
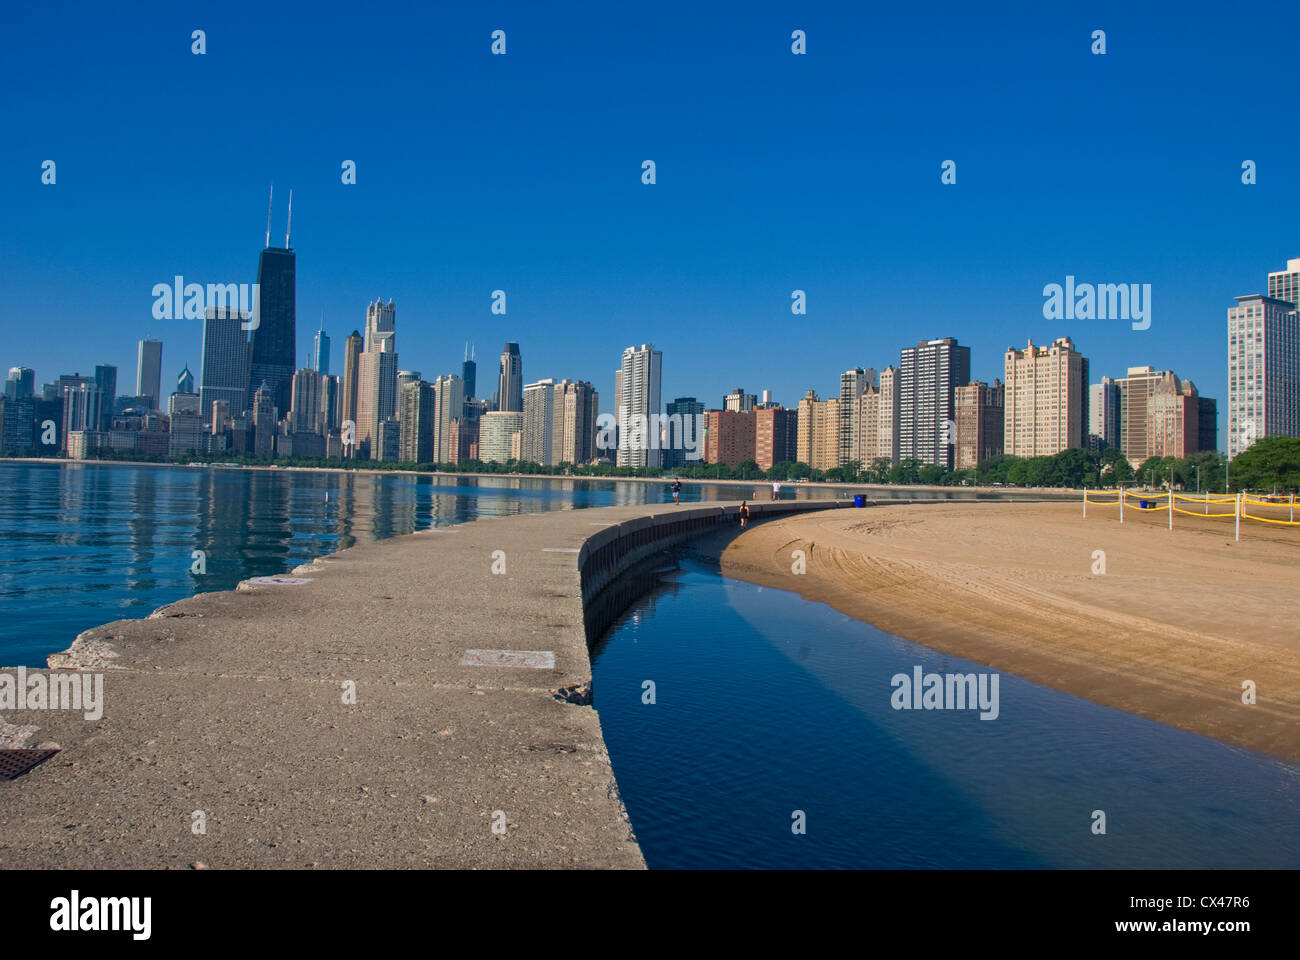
(744,513)
(677,489)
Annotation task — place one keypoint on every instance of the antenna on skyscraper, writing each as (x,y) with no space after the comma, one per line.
(268,215)
(289,226)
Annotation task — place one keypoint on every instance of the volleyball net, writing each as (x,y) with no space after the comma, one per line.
(1278,509)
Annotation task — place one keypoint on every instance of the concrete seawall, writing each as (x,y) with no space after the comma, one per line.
(402,706)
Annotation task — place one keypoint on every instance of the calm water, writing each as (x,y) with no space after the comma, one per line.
(767,704)
(83,543)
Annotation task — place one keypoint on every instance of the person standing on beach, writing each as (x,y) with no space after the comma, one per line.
(677,489)
(744,513)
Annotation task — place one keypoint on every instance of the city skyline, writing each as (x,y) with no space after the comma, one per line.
(761,189)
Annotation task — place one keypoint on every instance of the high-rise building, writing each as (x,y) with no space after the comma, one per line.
(818,432)
(449,404)
(1135,393)
(853,384)
(469,373)
(636,399)
(1285,284)
(510,380)
(148,371)
(729,437)
(381,326)
(1208,419)
(928,376)
(273,347)
(1104,414)
(540,423)
(980,418)
(185,381)
(82,406)
(376,395)
(377,374)
(1046,399)
(1173,418)
(106,380)
(21,383)
(305,413)
(223,373)
(496,433)
(404,377)
(321,350)
(681,432)
(580,405)
(416,413)
(776,434)
(329,403)
(738,401)
(887,416)
(264,419)
(352,348)
(1263,366)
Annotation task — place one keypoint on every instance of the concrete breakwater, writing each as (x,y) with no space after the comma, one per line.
(397,704)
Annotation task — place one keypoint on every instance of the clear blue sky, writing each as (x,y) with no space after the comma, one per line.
(775,172)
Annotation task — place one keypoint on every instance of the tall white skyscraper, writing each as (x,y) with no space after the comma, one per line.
(148,375)
(377,374)
(448,409)
(928,376)
(1263,368)
(381,327)
(636,399)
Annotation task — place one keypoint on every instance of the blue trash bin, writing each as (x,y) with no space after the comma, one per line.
(859,500)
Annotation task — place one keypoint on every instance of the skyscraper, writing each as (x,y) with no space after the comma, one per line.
(263,422)
(928,375)
(352,348)
(381,327)
(1103,414)
(21,383)
(1046,399)
(322,350)
(853,384)
(1263,366)
(469,373)
(510,380)
(738,401)
(1135,393)
(449,403)
(497,430)
(980,421)
(185,381)
(148,372)
(776,432)
(416,410)
(540,423)
(223,374)
(636,399)
(887,416)
(1285,284)
(274,342)
(682,432)
(377,373)
(306,412)
(106,380)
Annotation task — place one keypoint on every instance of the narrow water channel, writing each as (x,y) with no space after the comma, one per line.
(766,704)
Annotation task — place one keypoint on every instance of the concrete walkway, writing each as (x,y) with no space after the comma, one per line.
(228,710)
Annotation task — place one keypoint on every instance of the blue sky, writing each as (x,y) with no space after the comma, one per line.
(775,172)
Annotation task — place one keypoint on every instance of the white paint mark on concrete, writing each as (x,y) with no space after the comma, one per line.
(533,659)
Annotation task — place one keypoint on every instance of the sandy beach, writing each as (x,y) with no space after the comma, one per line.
(1171,629)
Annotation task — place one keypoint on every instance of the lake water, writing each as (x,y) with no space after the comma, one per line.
(83,544)
(767,704)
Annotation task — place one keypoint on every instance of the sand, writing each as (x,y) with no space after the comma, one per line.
(1169,631)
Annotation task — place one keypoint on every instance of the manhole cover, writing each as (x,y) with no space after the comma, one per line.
(14,763)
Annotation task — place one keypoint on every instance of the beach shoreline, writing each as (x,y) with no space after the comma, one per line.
(1171,630)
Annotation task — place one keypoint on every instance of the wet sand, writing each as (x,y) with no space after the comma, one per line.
(1169,631)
